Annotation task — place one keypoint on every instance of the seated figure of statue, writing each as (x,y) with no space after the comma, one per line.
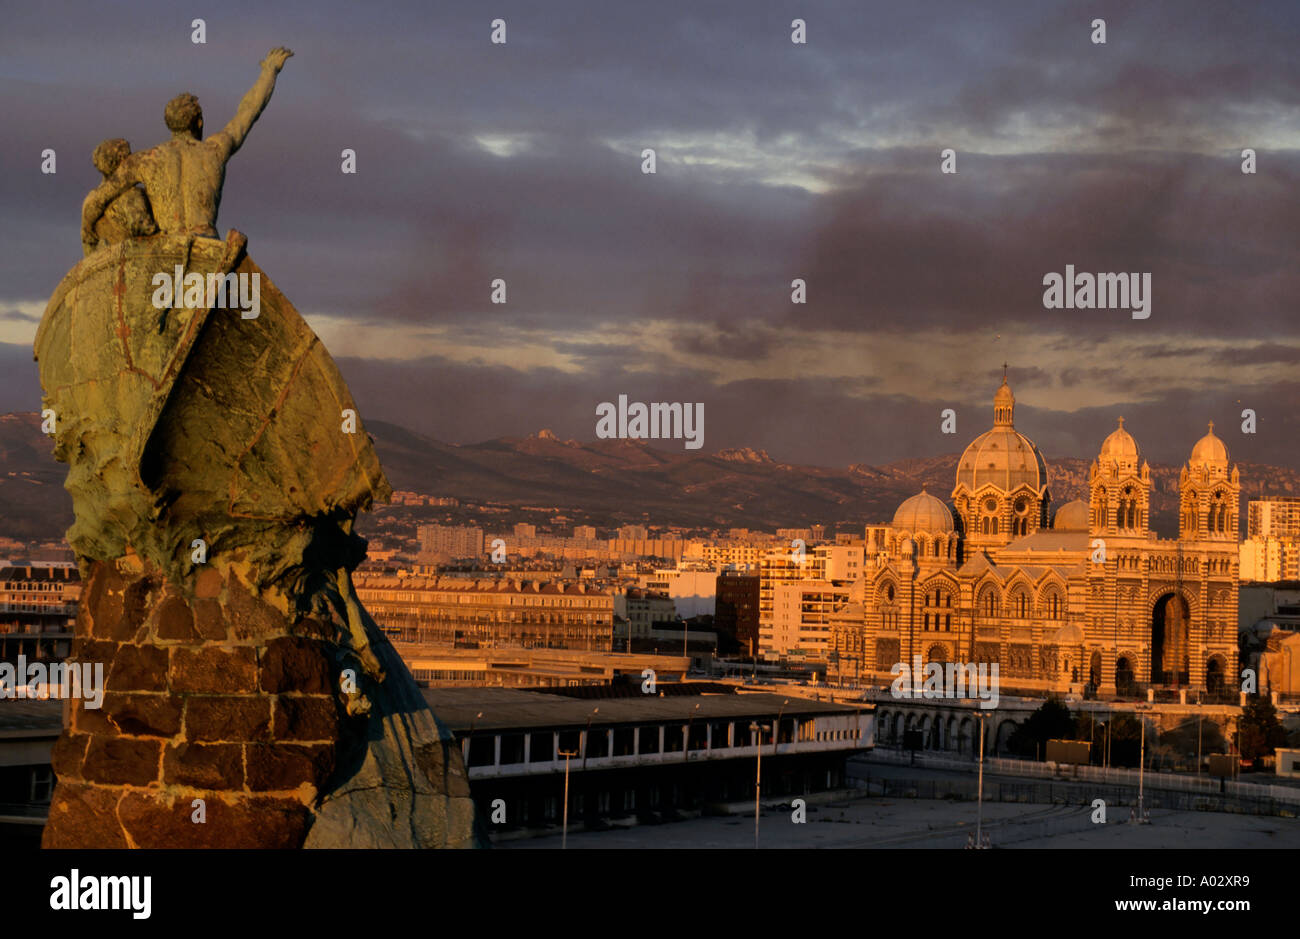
(129,215)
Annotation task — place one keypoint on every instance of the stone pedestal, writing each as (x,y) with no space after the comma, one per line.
(228,721)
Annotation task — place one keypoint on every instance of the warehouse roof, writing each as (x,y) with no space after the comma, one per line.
(507,708)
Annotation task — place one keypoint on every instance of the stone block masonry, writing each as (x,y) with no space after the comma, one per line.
(224,724)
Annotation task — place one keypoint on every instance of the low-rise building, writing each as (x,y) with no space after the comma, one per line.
(642,609)
(38,607)
(479,613)
(633,755)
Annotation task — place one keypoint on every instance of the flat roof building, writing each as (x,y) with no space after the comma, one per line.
(646,755)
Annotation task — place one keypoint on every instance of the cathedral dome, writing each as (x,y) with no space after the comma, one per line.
(1209,451)
(1002,457)
(1073,516)
(1119,447)
(923,512)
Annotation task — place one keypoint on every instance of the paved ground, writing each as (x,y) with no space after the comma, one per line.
(920,823)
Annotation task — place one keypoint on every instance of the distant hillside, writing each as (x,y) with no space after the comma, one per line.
(34,506)
(742,487)
(620,478)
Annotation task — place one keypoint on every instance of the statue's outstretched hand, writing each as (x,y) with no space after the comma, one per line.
(277,57)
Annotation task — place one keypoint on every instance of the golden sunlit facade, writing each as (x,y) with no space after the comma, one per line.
(1085,598)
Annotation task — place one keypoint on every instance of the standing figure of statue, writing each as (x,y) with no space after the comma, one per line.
(184,176)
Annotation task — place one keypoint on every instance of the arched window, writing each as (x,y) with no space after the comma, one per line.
(936,601)
(994,526)
(1052,605)
(989,602)
(1022,605)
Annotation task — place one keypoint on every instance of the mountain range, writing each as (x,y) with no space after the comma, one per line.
(616,480)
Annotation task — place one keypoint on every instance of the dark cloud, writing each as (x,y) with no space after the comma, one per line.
(905,246)
(1123,157)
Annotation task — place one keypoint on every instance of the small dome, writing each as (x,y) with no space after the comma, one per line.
(1119,447)
(1073,516)
(923,512)
(1209,450)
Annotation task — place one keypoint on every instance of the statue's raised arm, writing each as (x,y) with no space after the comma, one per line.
(255,101)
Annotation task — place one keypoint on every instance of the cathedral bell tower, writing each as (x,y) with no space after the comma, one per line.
(1209,495)
(1119,487)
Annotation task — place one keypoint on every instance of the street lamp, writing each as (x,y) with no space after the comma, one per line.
(1198,736)
(469,741)
(1141,817)
(776,729)
(564,840)
(979,816)
(757,729)
(686,744)
(586,738)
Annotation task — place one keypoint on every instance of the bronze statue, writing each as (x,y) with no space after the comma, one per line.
(216,465)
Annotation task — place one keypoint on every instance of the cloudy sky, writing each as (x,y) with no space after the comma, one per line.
(775,161)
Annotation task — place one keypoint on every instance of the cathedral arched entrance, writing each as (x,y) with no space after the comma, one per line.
(1170,629)
(1125,677)
(1094,670)
(1002,738)
(1215,674)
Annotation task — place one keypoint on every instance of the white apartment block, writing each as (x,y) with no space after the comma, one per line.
(832,566)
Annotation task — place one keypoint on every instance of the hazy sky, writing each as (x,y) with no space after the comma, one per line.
(775,161)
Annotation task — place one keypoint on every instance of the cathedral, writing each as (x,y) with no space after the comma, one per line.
(1079,598)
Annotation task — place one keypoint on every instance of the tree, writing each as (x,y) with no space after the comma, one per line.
(1258,731)
(1051,721)
(1125,740)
